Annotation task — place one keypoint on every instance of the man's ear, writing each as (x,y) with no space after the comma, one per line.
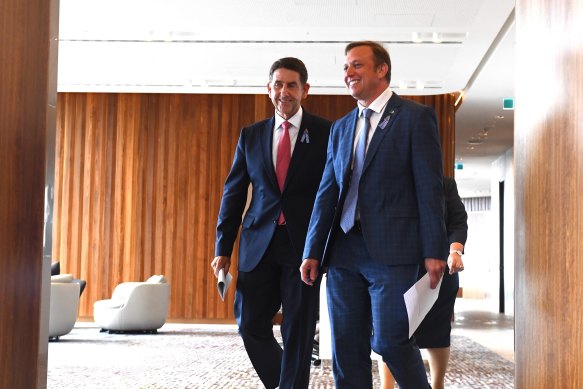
(306,89)
(383,69)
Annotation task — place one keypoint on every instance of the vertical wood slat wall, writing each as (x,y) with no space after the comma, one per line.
(138,183)
(548,158)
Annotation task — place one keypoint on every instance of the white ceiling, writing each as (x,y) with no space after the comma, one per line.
(227,46)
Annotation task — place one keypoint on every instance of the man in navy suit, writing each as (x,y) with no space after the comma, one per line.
(373,238)
(283,158)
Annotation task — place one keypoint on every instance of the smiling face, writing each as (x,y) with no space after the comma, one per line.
(364,79)
(286,92)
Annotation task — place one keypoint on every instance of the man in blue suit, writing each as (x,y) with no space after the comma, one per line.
(378,216)
(283,158)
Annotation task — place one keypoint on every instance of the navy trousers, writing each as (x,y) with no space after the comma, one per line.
(276,282)
(367,310)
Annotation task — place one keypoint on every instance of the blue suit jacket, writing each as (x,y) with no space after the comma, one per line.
(401,199)
(253,164)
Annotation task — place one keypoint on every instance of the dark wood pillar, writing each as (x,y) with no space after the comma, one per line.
(27,113)
(549,194)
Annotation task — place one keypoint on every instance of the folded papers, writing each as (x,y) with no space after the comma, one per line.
(419,299)
(223,282)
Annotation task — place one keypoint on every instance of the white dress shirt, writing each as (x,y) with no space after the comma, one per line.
(377,107)
(296,122)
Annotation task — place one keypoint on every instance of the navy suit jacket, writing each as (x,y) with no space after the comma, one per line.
(401,199)
(253,164)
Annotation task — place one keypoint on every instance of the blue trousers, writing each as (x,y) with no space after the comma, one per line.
(367,310)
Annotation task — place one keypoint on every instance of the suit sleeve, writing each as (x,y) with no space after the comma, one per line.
(457,218)
(428,176)
(233,201)
(324,209)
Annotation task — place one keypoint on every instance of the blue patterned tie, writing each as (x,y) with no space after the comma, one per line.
(349,210)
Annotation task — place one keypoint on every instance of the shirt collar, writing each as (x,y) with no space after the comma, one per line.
(295,120)
(379,104)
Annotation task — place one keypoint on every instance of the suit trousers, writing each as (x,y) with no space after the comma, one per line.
(276,282)
(367,310)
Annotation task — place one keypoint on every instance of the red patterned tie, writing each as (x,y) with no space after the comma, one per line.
(282,162)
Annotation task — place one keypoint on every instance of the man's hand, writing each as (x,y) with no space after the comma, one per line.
(455,263)
(435,268)
(309,270)
(219,263)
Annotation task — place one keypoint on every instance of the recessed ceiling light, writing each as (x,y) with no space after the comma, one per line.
(475,141)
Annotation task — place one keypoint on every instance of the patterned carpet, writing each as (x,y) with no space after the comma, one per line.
(188,356)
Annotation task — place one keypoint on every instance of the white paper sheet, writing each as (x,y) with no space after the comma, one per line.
(419,299)
(223,282)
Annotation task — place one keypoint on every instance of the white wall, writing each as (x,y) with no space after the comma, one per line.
(481,277)
(479,280)
(503,169)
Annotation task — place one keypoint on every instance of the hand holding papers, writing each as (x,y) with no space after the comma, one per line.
(223,282)
(419,299)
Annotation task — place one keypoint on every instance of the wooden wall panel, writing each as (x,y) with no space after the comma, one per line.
(28,87)
(548,160)
(444,106)
(138,189)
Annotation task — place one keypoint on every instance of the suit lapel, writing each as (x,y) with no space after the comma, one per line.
(384,126)
(266,150)
(348,145)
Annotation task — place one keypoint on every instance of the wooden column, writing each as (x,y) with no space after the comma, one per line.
(549,194)
(28,79)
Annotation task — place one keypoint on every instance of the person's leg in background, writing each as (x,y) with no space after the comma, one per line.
(434,332)
(438,360)
(387,379)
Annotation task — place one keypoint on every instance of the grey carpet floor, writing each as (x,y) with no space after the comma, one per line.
(188,356)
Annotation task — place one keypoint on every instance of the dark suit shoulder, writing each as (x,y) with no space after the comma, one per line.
(252,132)
(316,121)
(259,124)
(349,116)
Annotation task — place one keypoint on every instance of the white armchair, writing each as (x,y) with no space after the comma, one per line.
(64,304)
(134,306)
